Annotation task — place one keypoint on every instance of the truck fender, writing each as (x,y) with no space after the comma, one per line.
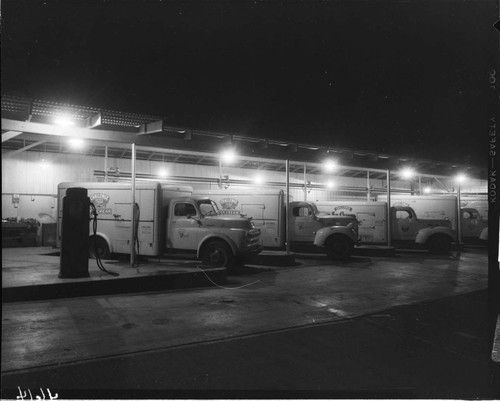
(324,233)
(424,234)
(484,234)
(105,238)
(211,236)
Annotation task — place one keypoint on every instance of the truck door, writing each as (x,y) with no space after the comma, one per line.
(470,223)
(120,234)
(303,224)
(183,231)
(367,228)
(403,223)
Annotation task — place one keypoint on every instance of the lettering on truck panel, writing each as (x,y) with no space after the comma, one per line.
(228,206)
(101,201)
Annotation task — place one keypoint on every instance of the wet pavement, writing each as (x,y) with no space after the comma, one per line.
(33,274)
(316,326)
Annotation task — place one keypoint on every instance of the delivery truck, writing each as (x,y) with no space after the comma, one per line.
(406,228)
(371,216)
(309,229)
(167,219)
(474,218)
(473,223)
(428,221)
(476,202)
(474,226)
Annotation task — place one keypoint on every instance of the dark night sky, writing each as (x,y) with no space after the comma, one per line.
(403,77)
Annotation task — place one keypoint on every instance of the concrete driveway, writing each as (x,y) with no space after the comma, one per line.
(257,300)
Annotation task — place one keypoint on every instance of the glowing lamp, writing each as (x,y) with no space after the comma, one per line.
(63,121)
(330,165)
(76,143)
(460,178)
(228,156)
(162,173)
(330,184)
(407,173)
(259,179)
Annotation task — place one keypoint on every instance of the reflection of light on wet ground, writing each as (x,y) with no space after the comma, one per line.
(338,312)
(220,318)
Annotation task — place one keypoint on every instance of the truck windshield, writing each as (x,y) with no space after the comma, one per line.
(208,207)
(315,209)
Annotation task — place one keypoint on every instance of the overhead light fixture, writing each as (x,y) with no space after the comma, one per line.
(460,178)
(44,163)
(407,173)
(427,190)
(330,184)
(228,156)
(64,121)
(330,165)
(76,143)
(162,173)
(259,179)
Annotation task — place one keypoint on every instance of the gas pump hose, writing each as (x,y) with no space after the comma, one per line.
(96,253)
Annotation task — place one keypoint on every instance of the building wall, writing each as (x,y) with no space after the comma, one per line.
(36,182)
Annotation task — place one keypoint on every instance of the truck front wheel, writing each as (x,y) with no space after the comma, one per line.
(339,247)
(439,243)
(100,246)
(217,254)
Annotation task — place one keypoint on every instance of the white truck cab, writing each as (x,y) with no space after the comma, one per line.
(436,235)
(336,235)
(473,226)
(195,223)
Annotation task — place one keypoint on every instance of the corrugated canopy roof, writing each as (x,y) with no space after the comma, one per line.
(159,141)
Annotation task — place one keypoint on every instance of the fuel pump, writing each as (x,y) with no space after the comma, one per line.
(75,241)
(74,262)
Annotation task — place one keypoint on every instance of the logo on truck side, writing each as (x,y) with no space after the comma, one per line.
(101,202)
(340,210)
(229,206)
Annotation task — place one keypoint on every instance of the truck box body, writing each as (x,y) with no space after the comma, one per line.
(266,208)
(113,204)
(371,216)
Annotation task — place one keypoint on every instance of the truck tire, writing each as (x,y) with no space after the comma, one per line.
(339,247)
(217,254)
(100,245)
(439,244)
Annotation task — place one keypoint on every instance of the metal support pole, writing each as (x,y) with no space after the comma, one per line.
(132,223)
(287,235)
(305,184)
(220,172)
(420,185)
(106,163)
(368,185)
(459,215)
(389,236)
